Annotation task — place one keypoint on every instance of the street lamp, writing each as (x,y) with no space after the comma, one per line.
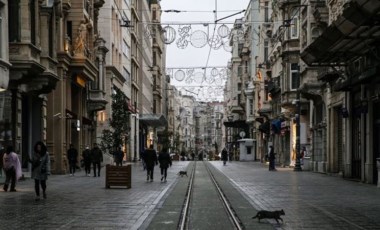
(135,138)
(297,166)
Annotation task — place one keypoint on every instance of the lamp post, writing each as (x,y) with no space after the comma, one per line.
(297,166)
(135,138)
(229,129)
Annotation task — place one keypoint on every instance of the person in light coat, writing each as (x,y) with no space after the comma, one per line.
(12,168)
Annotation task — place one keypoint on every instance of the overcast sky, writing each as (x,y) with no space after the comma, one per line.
(199,11)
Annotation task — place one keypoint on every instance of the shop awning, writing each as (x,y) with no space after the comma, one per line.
(236,124)
(276,125)
(265,127)
(153,120)
(70,115)
(349,36)
(86,121)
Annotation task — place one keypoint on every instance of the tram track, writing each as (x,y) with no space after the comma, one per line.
(188,210)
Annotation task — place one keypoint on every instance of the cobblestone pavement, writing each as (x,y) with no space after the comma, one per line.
(82,202)
(310,200)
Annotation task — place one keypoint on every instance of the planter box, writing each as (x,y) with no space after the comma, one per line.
(118,176)
(175,158)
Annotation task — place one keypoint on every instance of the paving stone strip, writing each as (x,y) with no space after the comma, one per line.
(205,212)
(168,212)
(82,202)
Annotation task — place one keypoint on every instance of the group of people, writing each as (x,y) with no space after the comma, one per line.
(40,165)
(93,156)
(150,159)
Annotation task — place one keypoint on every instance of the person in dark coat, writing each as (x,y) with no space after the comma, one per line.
(271,157)
(96,158)
(165,161)
(150,156)
(224,156)
(40,168)
(72,157)
(2,152)
(118,156)
(86,156)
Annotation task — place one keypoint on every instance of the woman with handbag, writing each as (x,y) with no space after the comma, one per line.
(40,168)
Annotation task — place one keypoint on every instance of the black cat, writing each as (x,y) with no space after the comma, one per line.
(182,173)
(270,215)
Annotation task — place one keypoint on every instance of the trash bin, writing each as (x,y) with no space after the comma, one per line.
(306,164)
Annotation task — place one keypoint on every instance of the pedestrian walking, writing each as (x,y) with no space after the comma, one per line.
(40,168)
(142,156)
(230,156)
(72,157)
(12,169)
(271,157)
(303,154)
(2,152)
(165,161)
(118,156)
(224,155)
(192,156)
(150,156)
(86,157)
(96,158)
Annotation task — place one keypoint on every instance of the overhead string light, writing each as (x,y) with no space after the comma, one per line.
(196,35)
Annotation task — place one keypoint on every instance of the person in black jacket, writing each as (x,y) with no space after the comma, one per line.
(272,158)
(165,162)
(72,156)
(224,156)
(86,156)
(96,158)
(150,156)
(118,156)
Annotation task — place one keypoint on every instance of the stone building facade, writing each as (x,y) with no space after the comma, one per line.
(346,44)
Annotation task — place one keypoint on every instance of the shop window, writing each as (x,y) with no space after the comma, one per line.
(315,33)
(32,6)
(294,27)
(249,150)
(14,20)
(266,12)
